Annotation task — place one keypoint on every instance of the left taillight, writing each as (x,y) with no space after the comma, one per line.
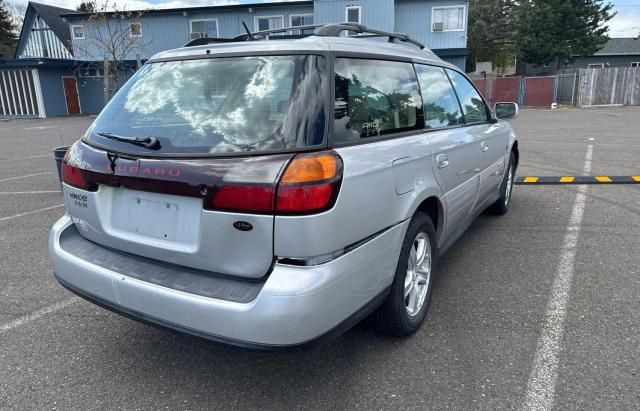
(75,176)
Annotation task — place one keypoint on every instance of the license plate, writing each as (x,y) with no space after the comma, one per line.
(152,218)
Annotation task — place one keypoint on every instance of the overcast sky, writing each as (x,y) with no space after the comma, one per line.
(625,24)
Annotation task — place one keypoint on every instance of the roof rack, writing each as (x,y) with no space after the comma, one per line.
(322,30)
(208,40)
(334,30)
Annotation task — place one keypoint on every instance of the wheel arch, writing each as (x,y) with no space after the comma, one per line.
(434,208)
(516,152)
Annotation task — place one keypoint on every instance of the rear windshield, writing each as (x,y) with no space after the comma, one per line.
(219,105)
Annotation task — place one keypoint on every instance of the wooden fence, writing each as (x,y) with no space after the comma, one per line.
(609,86)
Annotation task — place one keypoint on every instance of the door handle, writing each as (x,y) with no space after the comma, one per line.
(442,160)
(484,146)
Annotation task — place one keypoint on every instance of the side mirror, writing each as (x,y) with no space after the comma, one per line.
(506,111)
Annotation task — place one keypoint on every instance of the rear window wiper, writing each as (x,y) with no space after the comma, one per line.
(147,142)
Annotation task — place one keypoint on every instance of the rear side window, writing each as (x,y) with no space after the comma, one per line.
(375,98)
(220,105)
(441,107)
(473,107)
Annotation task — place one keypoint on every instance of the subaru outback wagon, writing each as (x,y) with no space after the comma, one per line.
(266,192)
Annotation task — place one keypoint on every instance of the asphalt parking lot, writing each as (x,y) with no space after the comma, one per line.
(543,303)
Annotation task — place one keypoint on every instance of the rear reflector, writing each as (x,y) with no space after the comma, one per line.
(305,198)
(244,198)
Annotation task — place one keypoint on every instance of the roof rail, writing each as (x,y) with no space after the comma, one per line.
(322,30)
(334,30)
(208,40)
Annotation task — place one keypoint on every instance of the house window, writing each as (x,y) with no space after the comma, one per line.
(135,29)
(353,14)
(77,31)
(635,64)
(267,23)
(596,65)
(204,28)
(296,20)
(448,18)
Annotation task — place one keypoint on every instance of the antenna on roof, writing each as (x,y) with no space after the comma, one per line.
(249,35)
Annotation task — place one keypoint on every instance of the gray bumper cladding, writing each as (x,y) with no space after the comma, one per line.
(192,282)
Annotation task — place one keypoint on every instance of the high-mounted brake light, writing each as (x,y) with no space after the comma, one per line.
(75,176)
(309,184)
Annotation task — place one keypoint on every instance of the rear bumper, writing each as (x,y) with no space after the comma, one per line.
(293,306)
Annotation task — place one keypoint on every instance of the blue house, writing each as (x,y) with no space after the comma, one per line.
(57,49)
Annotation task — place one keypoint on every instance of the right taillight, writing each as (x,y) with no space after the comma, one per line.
(309,184)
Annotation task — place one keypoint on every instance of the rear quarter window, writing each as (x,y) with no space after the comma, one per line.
(374,98)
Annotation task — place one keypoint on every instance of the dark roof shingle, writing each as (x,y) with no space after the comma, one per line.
(620,46)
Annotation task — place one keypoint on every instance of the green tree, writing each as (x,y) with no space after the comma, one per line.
(86,7)
(491,34)
(559,30)
(7,32)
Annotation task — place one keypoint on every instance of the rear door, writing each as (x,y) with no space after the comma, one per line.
(456,161)
(490,140)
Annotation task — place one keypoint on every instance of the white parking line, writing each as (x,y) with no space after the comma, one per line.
(26,176)
(542,381)
(26,158)
(30,192)
(22,123)
(11,217)
(37,314)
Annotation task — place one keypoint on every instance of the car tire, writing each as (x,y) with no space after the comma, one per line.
(402,314)
(501,206)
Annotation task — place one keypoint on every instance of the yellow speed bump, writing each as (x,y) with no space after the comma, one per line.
(566,180)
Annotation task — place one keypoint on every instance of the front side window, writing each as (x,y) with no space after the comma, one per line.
(353,14)
(220,105)
(204,28)
(448,18)
(268,23)
(441,107)
(473,107)
(374,98)
(135,29)
(77,32)
(635,64)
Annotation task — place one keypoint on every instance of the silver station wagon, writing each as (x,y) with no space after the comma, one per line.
(272,189)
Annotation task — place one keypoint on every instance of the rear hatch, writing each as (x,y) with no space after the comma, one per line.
(183,164)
